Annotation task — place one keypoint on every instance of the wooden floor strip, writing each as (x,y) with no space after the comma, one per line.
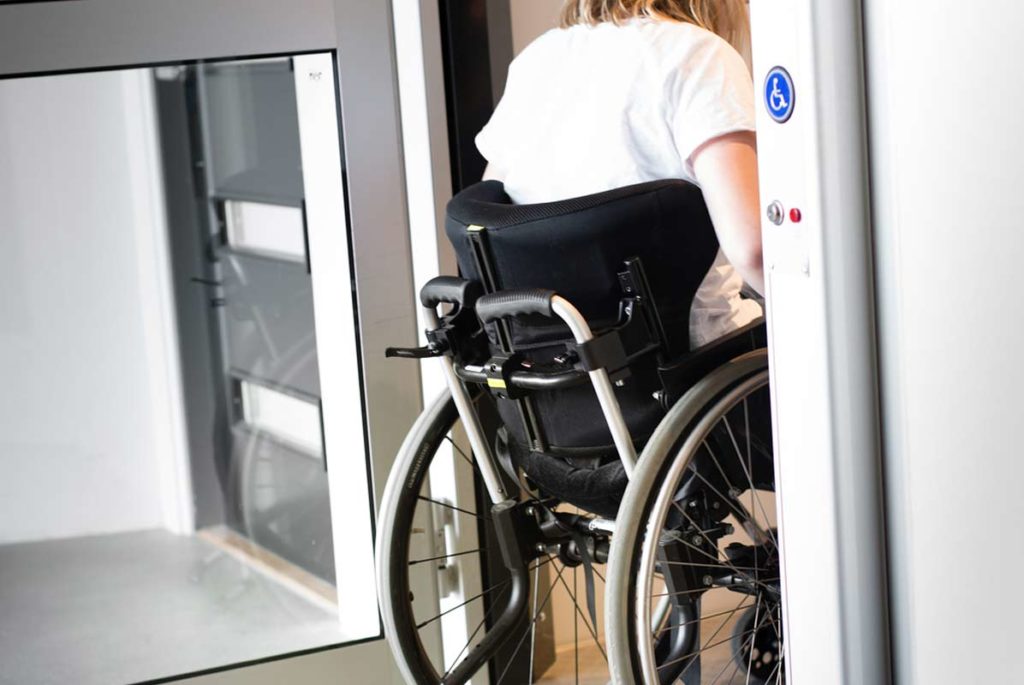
(263,561)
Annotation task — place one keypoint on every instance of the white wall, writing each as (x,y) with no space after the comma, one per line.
(88,438)
(946,108)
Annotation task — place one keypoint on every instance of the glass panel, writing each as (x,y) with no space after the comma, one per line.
(251,119)
(270,230)
(170,510)
(282,416)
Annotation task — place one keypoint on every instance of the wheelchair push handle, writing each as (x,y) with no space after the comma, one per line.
(451,290)
(507,303)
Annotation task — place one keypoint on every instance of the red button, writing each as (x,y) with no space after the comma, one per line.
(795,215)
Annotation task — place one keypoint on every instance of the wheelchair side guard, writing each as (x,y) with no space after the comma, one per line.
(682,375)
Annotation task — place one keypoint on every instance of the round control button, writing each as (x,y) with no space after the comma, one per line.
(776,213)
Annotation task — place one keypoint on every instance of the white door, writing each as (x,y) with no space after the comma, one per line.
(947,205)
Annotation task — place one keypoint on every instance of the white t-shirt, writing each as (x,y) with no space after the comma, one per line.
(592,108)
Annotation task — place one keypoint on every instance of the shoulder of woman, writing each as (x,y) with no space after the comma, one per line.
(681,41)
(544,43)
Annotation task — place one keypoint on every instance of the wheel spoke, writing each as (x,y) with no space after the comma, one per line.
(750,658)
(748,470)
(706,647)
(529,630)
(453,508)
(706,617)
(721,672)
(696,565)
(462,651)
(694,591)
(746,518)
(718,465)
(575,624)
(580,615)
(459,606)
(726,562)
(533,626)
(775,626)
(476,597)
(462,453)
(446,556)
(740,513)
(735,506)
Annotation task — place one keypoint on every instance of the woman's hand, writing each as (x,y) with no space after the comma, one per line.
(726,169)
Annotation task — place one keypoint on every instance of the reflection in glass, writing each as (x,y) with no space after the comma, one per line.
(164,504)
(270,230)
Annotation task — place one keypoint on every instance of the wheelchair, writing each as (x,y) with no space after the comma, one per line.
(565,349)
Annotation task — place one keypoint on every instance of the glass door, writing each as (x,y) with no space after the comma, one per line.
(257,130)
(161,494)
(185,478)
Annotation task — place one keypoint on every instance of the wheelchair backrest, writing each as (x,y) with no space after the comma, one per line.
(577,247)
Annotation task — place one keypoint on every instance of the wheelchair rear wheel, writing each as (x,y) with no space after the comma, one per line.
(693,590)
(436,565)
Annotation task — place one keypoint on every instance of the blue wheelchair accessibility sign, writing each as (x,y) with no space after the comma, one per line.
(779,94)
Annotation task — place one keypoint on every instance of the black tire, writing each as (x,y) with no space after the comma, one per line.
(410,615)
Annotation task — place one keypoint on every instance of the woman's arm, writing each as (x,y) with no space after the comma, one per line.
(726,169)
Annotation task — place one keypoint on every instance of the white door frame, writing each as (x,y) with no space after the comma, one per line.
(822,341)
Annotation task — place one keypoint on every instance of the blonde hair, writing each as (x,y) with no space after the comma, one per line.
(727,18)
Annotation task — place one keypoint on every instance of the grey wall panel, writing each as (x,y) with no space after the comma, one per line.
(110,33)
(499,40)
(945,109)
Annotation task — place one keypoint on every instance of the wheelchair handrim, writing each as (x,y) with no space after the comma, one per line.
(659,515)
(620,592)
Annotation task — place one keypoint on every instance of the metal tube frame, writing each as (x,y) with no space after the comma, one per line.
(471,422)
(602,384)
(599,377)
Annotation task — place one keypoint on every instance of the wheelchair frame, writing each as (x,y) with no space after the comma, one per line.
(602,357)
(477,328)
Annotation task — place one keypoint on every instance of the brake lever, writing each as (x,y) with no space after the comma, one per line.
(426,352)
